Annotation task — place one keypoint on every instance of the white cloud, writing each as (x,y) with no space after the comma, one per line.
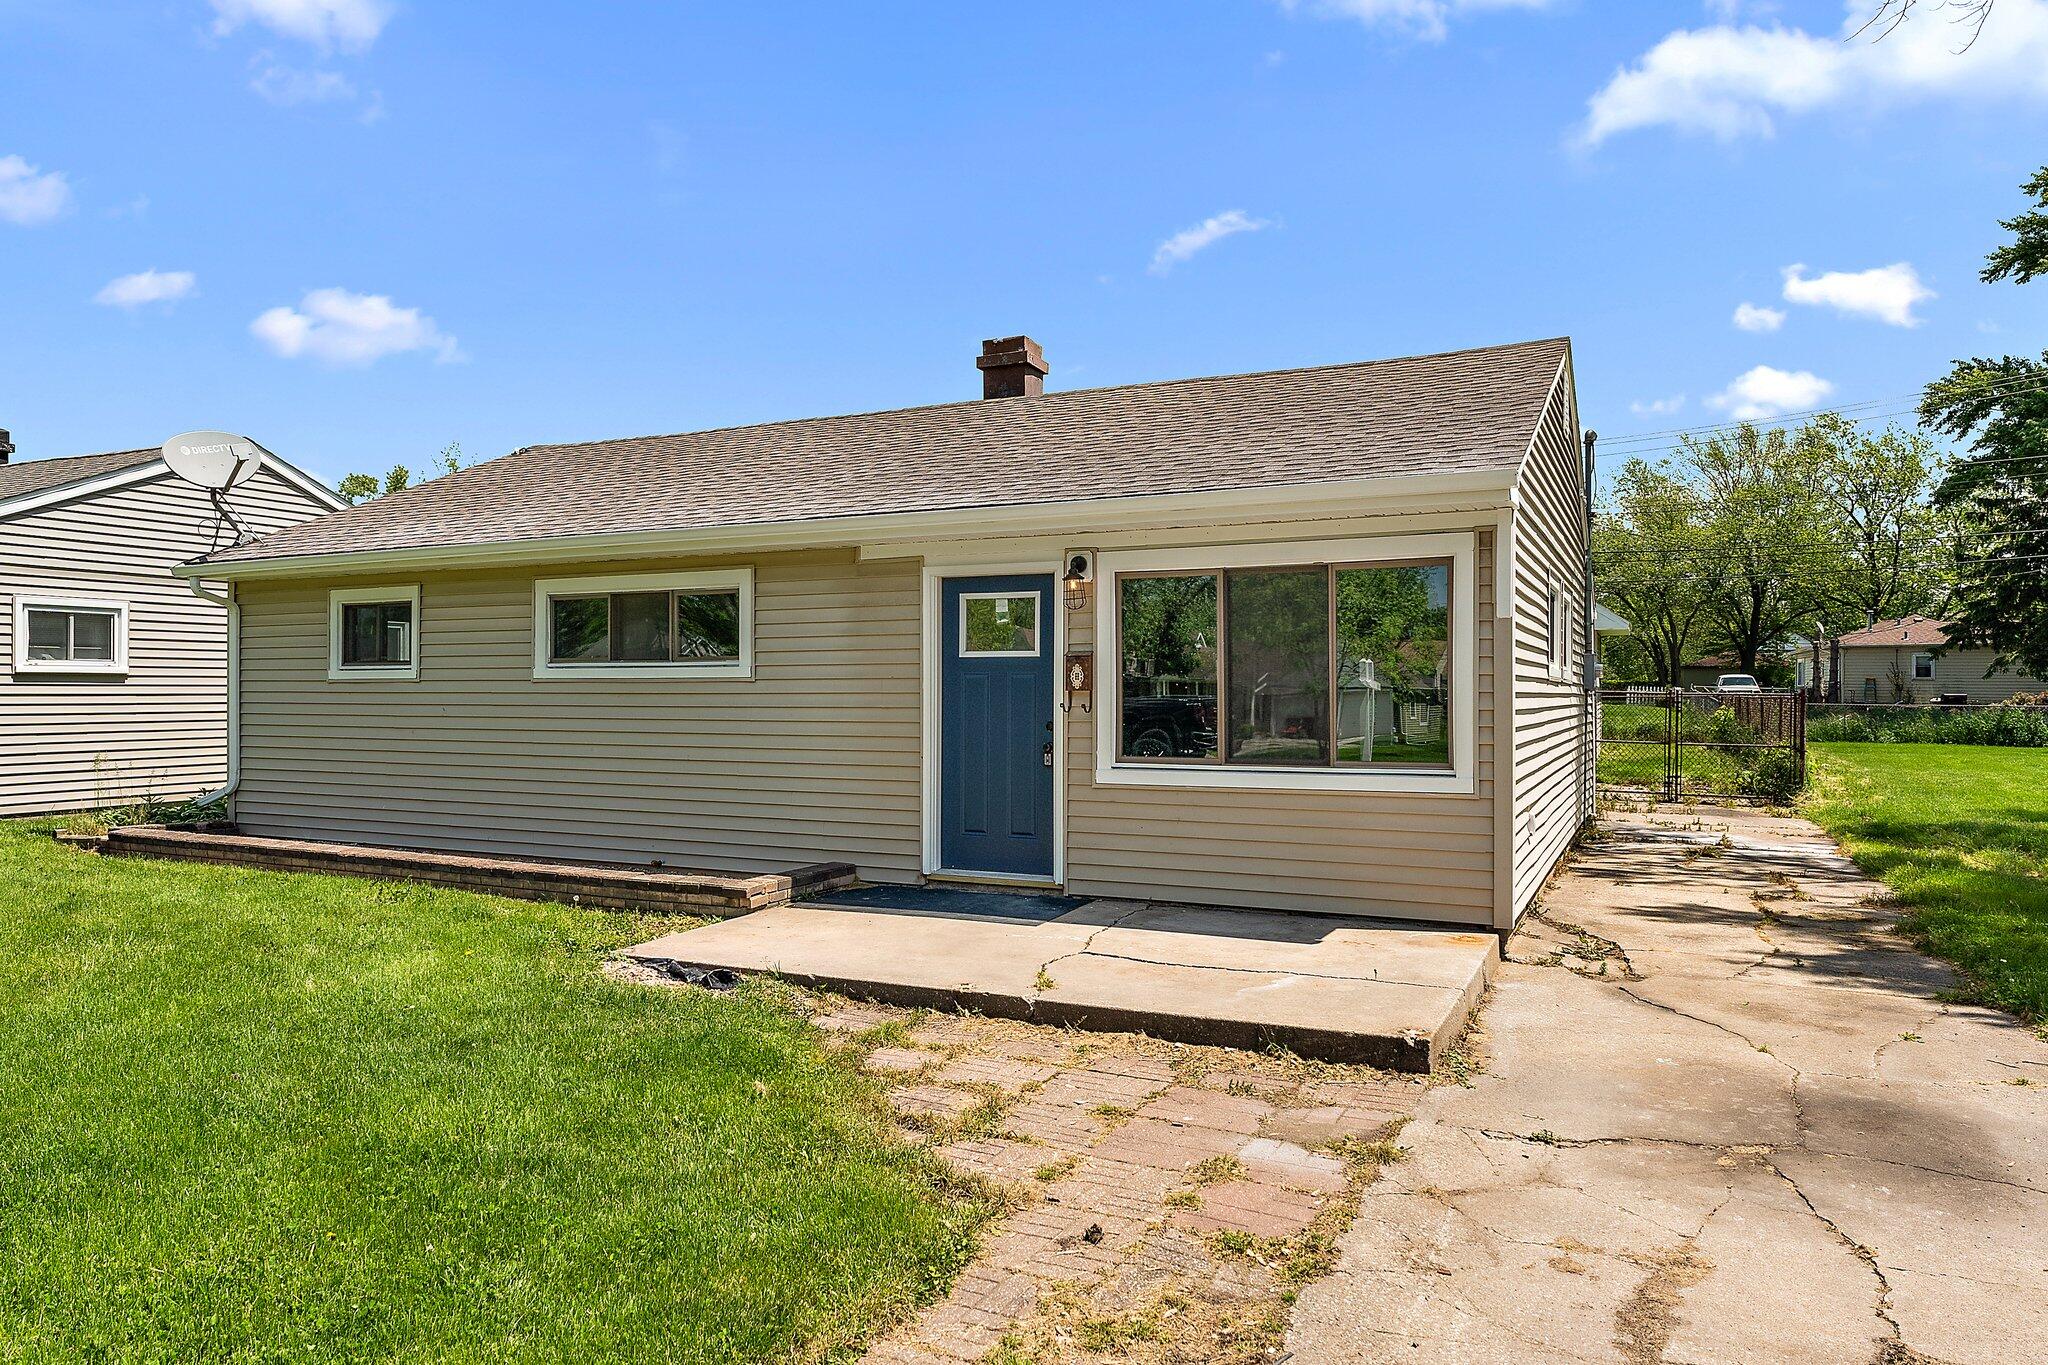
(30,196)
(337,327)
(290,85)
(1731,82)
(1428,20)
(351,25)
(1657,407)
(1183,245)
(146,287)
(1750,318)
(1765,392)
(1886,292)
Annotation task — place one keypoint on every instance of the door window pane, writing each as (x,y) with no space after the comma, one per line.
(376,634)
(49,635)
(640,627)
(1393,665)
(707,625)
(999,624)
(1278,665)
(582,629)
(1167,626)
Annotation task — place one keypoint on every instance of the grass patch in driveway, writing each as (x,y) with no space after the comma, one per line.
(1960,833)
(257,1116)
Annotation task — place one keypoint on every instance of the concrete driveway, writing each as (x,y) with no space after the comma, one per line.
(1724,1115)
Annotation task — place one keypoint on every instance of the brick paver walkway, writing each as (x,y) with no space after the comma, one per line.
(1166,1200)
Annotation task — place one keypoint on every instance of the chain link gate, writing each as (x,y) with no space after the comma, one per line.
(1679,746)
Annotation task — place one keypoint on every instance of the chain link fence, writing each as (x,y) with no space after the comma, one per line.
(1674,745)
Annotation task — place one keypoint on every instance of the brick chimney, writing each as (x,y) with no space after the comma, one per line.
(1011,367)
(6,446)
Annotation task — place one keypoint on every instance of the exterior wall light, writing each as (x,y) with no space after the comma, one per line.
(1077,578)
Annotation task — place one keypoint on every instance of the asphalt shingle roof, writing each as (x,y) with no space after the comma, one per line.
(34,476)
(1462,411)
(1917,631)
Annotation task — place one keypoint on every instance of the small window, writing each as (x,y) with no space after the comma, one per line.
(1556,631)
(1923,666)
(1001,625)
(374,633)
(645,626)
(70,636)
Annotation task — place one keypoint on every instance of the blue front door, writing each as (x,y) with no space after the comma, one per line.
(995,733)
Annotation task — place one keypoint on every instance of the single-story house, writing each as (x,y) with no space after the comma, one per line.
(1313,639)
(115,682)
(1909,659)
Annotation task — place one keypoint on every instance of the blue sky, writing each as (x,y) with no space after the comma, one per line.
(360,230)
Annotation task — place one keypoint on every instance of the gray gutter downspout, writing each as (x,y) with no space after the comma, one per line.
(1591,658)
(234,611)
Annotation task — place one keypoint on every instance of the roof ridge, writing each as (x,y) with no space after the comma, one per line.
(1531,343)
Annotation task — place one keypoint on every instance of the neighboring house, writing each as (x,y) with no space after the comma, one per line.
(1909,659)
(1793,663)
(114,687)
(1086,639)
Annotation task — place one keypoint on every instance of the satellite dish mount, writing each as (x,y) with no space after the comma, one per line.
(217,461)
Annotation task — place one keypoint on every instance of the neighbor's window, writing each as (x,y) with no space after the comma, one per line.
(1316,666)
(628,628)
(72,635)
(659,625)
(374,633)
(999,623)
(1923,666)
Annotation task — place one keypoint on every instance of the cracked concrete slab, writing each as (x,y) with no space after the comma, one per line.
(1326,987)
(1725,1114)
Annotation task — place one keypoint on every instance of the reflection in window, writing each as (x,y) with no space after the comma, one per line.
(1276,661)
(1278,664)
(999,624)
(645,628)
(1393,665)
(68,635)
(1168,634)
(376,634)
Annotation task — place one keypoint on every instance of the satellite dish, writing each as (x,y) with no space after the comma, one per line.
(215,460)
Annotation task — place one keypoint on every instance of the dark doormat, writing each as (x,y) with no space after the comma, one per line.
(1023,907)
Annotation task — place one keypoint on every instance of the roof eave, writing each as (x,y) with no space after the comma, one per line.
(1387,493)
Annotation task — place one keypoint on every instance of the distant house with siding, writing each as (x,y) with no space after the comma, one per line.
(1311,639)
(1909,659)
(113,674)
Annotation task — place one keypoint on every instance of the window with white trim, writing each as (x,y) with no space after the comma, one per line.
(1295,666)
(999,625)
(1556,625)
(70,635)
(1923,667)
(678,625)
(373,633)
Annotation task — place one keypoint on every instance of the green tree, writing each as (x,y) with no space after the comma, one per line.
(1645,553)
(362,487)
(1999,491)
(1771,560)
(1892,541)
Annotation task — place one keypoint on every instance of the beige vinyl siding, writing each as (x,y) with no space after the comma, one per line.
(1960,670)
(71,742)
(814,758)
(1550,761)
(1416,856)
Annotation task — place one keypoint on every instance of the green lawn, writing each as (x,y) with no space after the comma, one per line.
(1961,833)
(255,1116)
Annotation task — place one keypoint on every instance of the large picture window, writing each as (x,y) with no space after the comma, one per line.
(663,625)
(1307,666)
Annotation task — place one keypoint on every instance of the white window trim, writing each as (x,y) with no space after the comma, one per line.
(1556,620)
(97,668)
(717,580)
(1459,780)
(1037,624)
(1918,676)
(338,598)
